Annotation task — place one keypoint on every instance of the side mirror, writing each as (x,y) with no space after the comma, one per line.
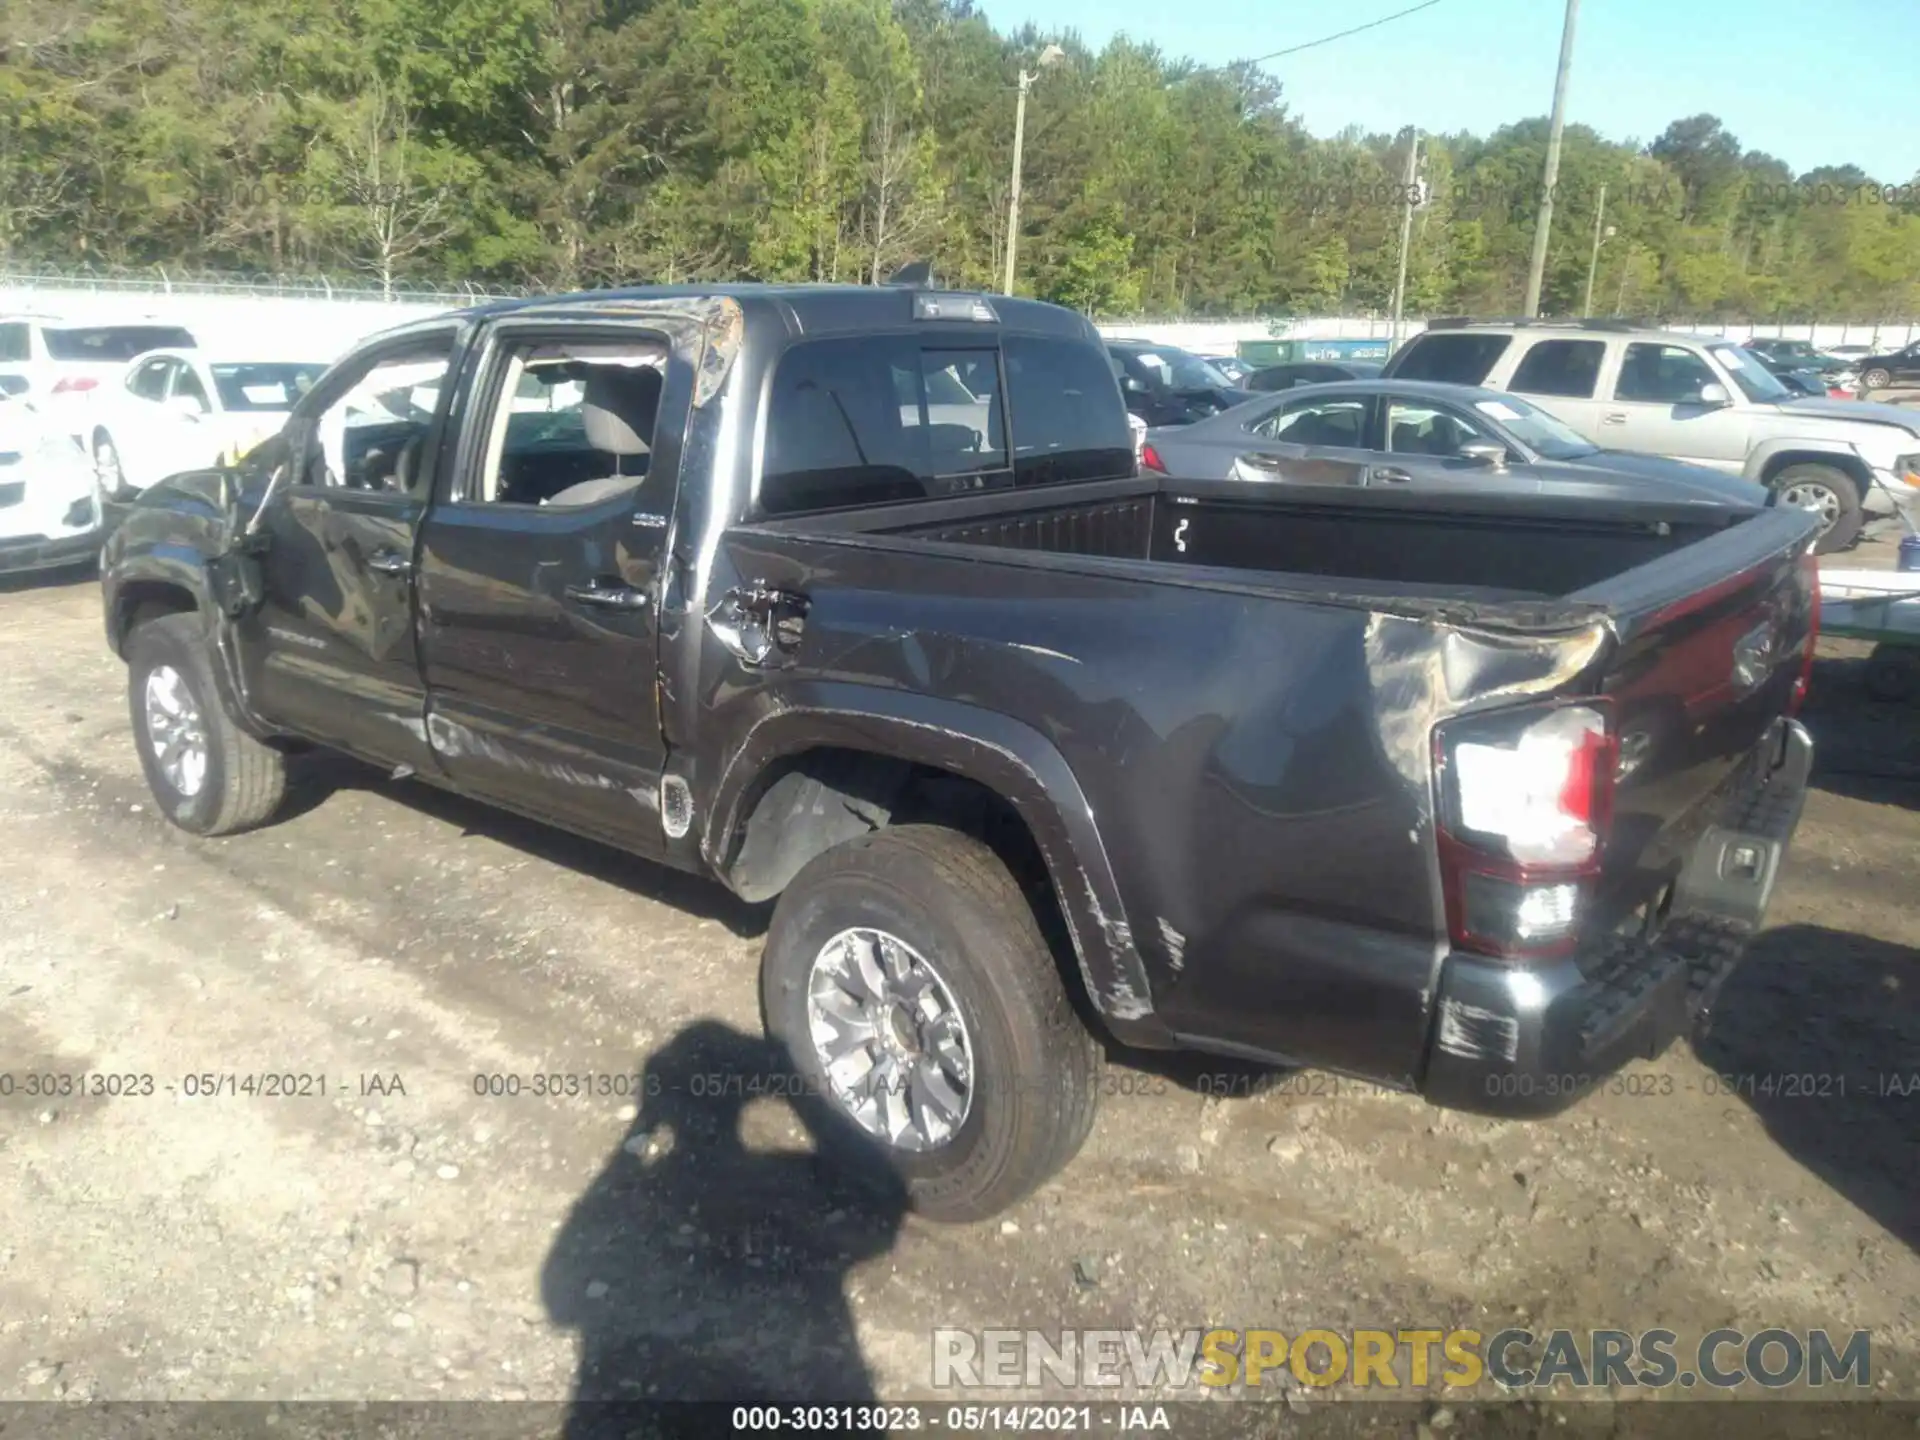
(1714,394)
(1490,453)
(187,406)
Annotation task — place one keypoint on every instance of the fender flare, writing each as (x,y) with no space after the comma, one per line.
(1010,758)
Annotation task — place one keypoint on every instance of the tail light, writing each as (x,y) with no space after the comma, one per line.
(1526,799)
(1811,568)
(1150,459)
(75,383)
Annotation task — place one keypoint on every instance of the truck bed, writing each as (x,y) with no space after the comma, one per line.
(1477,549)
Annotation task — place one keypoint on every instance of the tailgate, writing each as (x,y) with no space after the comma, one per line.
(1715,639)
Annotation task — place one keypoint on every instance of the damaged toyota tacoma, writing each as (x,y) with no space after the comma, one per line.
(854,599)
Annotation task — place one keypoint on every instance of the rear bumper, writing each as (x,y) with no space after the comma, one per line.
(1531,1040)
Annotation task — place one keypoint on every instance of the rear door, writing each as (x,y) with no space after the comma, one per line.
(540,575)
(1316,439)
(331,652)
(1562,377)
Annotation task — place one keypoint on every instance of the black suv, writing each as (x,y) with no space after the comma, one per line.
(1897,367)
(1165,385)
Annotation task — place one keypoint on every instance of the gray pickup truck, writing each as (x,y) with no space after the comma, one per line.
(856,598)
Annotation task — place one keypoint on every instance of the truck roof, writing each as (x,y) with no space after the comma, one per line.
(820,309)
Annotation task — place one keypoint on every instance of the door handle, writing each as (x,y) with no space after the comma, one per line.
(1614,417)
(1391,474)
(389,562)
(609,597)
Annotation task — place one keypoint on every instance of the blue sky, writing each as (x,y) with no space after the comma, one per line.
(1814,82)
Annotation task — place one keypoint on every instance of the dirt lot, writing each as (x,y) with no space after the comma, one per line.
(435,1243)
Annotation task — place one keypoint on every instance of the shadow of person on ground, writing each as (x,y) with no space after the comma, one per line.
(1863,748)
(1818,1031)
(697,1268)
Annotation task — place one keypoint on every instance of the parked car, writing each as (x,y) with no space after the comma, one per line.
(1309,372)
(1702,400)
(1850,353)
(1806,379)
(1895,367)
(50,507)
(1425,436)
(1165,385)
(64,362)
(1799,355)
(188,409)
(1235,369)
(1308,774)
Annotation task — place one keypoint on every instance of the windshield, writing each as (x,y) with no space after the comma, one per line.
(1749,374)
(263,387)
(1185,371)
(1550,438)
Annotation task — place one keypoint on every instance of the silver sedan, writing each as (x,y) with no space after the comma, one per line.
(1421,435)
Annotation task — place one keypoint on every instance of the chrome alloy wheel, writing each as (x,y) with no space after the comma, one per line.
(891,1039)
(175,730)
(1820,499)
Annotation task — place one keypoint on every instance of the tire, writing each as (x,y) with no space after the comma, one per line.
(1842,507)
(1035,1068)
(1876,379)
(110,476)
(241,781)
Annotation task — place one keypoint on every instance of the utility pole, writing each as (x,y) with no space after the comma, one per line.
(1543,226)
(1406,233)
(1593,263)
(1052,55)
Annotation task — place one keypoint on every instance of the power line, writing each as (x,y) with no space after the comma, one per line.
(1329,39)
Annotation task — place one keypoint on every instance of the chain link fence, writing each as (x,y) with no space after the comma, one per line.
(167,280)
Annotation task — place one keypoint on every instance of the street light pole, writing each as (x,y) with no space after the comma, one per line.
(1406,234)
(1052,55)
(1593,262)
(1543,227)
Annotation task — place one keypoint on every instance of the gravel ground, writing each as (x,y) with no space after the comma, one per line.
(401,1237)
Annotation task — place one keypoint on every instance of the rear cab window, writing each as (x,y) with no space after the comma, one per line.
(1455,357)
(879,419)
(113,344)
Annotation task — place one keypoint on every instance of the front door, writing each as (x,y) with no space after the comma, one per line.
(331,653)
(1657,410)
(539,571)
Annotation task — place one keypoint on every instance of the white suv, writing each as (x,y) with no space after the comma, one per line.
(1694,398)
(61,364)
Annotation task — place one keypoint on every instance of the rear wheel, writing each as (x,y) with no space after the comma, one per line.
(1829,493)
(1876,379)
(110,477)
(207,774)
(906,977)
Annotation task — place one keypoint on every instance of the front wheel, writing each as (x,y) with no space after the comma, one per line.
(1876,379)
(1829,493)
(908,980)
(207,774)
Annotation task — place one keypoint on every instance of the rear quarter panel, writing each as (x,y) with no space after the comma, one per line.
(1256,768)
